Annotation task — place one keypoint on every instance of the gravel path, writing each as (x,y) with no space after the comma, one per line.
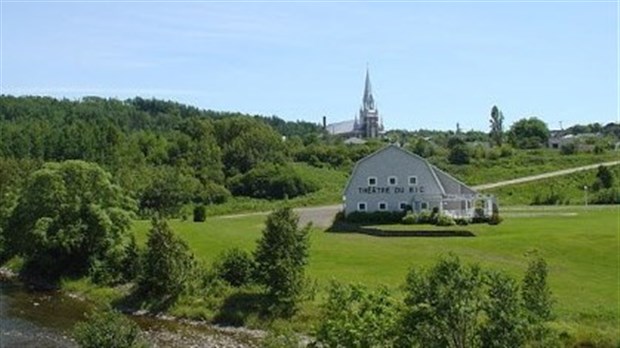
(543,176)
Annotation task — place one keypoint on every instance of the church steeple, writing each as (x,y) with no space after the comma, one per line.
(369,100)
(369,124)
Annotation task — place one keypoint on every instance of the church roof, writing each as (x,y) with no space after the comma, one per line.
(341,127)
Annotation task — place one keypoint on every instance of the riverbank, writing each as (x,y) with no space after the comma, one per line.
(44,318)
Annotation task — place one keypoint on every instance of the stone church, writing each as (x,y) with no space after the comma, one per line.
(367,125)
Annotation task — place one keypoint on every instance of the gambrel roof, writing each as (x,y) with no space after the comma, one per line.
(447,183)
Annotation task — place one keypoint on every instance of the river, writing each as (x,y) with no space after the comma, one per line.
(44,320)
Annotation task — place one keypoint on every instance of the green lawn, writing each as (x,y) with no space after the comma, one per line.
(569,188)
(581,246)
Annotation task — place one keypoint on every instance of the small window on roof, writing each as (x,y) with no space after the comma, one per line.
(392,181)
(361,206)
(382,206)
(372,181)
(413,180)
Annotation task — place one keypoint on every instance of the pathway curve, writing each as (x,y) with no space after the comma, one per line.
(322,216)
(543,176)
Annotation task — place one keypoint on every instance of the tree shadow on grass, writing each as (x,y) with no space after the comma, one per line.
(241,306)
(347,227)
(138,300)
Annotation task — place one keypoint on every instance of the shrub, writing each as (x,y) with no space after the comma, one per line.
(108,328)
(272,181)
(444,220)
(606,196)
(425,217)
(568,149)
(409,219)
(200,213)
(377,217)
(462,221)
(235,266)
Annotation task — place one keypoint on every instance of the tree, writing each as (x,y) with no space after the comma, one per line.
(355,316)
(68,217)
(442,305)
(281,255)
(108,328)
(459,153)
(167,266)
(505,325)
(604,178)
(529,133)
(535,291)
(537,301)
(497,126)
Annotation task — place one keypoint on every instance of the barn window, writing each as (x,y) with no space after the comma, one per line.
(392,181)
(413,180)
(382,206)
(423,205)
(372,181)
(403,205)
(361,206)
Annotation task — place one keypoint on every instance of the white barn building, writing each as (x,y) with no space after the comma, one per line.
(393,179)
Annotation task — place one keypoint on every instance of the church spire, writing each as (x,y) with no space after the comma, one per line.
(369,100)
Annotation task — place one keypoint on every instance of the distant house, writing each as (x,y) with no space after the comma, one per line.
(393,179)
(559,139)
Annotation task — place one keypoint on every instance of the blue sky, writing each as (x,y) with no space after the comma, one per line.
(431,64)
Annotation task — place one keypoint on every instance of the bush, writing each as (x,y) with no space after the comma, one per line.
(200,213)
(235,266)
(568,149)
(377,217)
(462,221)
(409,219)
(426,217)
(108,329)
(444,220)
(272,181)
(606,196)
(495,219)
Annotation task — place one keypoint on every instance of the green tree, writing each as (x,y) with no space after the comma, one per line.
(459,152)
(108,328)
(281,256)
(505,324)
(355,316)
(497,126)
(69,216)
(529,133)
(604,178)
(535,291)
(168,265)
(443,305)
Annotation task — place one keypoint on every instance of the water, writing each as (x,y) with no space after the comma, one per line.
(45,319)
(36,319)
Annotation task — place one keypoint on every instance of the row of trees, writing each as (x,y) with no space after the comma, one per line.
(447,305)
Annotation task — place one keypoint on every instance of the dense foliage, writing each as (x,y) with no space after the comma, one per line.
(108,328)
(529,133)
(68,218)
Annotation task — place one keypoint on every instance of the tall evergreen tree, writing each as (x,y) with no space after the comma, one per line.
(497,126)
(281,256)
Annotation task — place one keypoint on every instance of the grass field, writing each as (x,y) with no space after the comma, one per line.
(569,188)
(580,245)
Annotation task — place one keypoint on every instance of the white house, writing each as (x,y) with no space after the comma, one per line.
(393,179)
